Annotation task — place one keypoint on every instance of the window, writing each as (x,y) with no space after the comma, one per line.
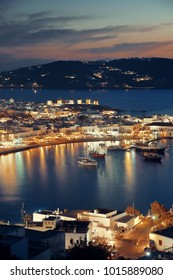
(160,242)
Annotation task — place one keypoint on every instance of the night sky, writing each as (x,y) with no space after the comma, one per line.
(40,31)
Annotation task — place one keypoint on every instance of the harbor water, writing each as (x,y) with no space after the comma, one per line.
(50,177)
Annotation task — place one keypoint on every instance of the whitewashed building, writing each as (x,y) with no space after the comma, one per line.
(39,216)
(128,221)
(126,128)
(161,129)
(90,130)
(103,221)
(163,239)
(77,233)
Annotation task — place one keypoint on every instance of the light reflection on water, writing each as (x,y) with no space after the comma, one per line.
(49,177)
(129,165)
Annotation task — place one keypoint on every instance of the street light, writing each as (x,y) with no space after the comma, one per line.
(148,253)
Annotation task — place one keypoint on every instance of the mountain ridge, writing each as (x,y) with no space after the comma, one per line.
(102,74)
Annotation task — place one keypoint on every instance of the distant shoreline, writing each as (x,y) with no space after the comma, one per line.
(66,141)
(59,142)
(82,88)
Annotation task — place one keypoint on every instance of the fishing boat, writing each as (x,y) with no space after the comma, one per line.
(117,148)
(85,161)
(154,148)
(95,154)
(152,156)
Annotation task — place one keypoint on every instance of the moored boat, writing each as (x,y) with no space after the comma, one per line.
(85,161)
(150,148)
(95,154)
(117,148)
(152,156)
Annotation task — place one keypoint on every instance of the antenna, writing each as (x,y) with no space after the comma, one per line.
(133,205)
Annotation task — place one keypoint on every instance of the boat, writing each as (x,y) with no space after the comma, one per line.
(152,156)
(85,161)
(117,148)
(150,148)
(95,154)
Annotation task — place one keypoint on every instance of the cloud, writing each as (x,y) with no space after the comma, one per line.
(44,27)
(128,47)
(5,4)
(36,28)
(25,37)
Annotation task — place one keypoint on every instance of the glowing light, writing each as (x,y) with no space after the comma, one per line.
(148,253)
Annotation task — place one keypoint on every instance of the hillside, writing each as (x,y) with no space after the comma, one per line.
(111,74)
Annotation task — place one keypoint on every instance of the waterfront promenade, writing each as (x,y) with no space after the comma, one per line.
(5,151)
(55,141)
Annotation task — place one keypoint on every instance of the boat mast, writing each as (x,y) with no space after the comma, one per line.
(23,212)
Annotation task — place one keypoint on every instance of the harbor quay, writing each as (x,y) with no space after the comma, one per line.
(26,125)
(48,234)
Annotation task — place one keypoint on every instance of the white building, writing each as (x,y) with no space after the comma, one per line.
(103,221)
(49,102)
(71,101)
(50,222)
(91,130)
(68,130)
(127,221)
(70,215)
(126,129)
(88,101)
(113,130)
(161,129)
(96,102)
(163,239)
(77,233)
(59,101)
(39,216)
(79,101)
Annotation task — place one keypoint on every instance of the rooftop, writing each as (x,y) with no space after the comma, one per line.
(44,212)
(50,218)
(5,229)
(160,124)
(167,232)
(39,235)
(103,210)
(125,219)
(72,213)
(77,226)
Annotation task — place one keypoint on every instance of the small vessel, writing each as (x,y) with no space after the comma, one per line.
(152,156)
(117,148)
(95,154)
(150,148)
(85,161)
(113,148)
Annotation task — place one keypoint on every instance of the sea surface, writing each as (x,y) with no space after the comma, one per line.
(50,177)
(151,100)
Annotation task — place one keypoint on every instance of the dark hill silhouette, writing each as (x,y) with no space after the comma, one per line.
(111,74)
